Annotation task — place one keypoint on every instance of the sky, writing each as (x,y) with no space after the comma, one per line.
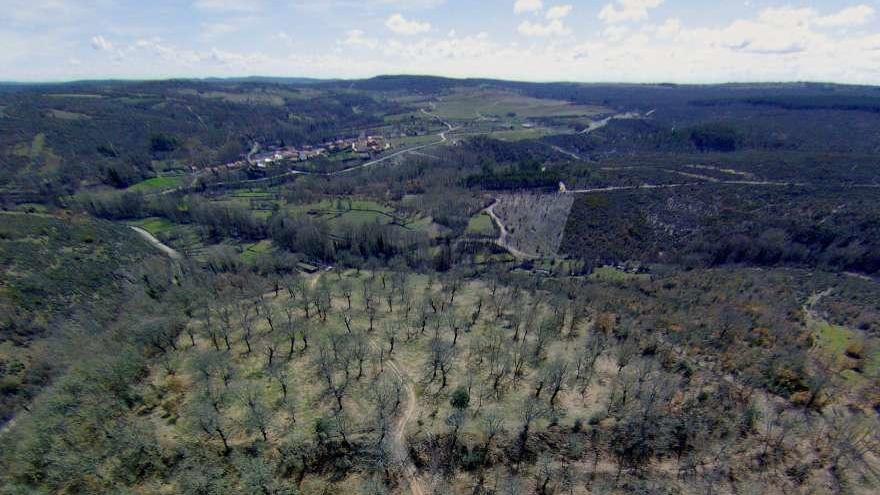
(684,41)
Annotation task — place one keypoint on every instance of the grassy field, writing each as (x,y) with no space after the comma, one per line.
(353,212)
(158,184)
(482,225)
(470,104)
(848,348)
(154,225)
(182,237)
(39,153)
(611,274)
(252,252)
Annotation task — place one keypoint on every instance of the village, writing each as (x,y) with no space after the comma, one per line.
(363,146)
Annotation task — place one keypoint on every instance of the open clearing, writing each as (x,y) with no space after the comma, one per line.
(465,105)
(158,184)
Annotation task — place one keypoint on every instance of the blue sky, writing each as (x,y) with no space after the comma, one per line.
(539,40)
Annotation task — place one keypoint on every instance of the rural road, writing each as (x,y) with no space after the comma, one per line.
(168,250)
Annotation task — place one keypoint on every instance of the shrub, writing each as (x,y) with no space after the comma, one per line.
(460,399)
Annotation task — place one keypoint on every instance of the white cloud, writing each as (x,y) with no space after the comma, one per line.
(537,29)
(806,16)
(101,44)
(627,10)
(400,25)
(615,33)
(524,6)
(559,11)
(669,29)
(358,38)
(852,16)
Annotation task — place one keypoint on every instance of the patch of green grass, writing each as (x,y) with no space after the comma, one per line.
(154,225)
(611,274)
(38,153)
(32,150)
(469,104)
(421,223)
(158,184)
(252,252)
(481,225)
(834,339)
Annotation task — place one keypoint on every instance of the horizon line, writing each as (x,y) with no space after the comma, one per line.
(426,76)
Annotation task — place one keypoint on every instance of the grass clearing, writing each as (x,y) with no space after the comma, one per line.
(611,274)
(157,184)
(469,104)
(845,347)
(154,225)
(252,252)
(482,225)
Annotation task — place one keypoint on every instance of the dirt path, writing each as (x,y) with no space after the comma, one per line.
(398,435)
(503,234)
(812,319)
(169,251)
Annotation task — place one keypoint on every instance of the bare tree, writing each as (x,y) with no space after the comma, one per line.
(258,416)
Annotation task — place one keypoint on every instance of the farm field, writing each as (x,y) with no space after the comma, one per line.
(466,105)
(481,225)
(158,184)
